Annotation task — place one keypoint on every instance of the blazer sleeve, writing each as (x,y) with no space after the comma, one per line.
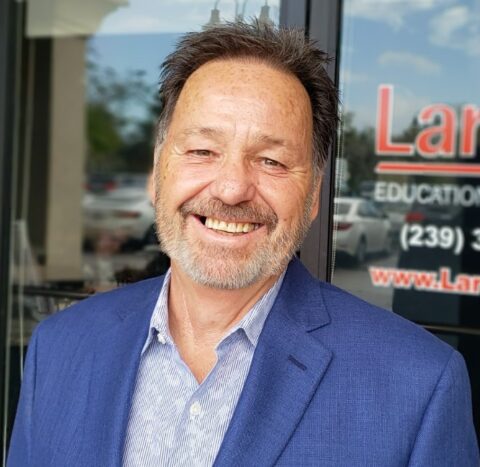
(19,454)
(447,436)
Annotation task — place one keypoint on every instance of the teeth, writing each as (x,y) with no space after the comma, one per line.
(232,227)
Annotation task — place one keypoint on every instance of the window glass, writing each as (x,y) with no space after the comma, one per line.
(84,220)
(342,207)
(410,144)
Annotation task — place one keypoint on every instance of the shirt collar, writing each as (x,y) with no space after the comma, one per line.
(251,324)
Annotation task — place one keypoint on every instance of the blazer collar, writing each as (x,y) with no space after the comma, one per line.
(287,368)
(301,298)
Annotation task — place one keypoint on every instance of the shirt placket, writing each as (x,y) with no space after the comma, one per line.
(192,447)
(187,429)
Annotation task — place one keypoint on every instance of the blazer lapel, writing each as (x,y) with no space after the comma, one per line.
(117,358)
(286,370)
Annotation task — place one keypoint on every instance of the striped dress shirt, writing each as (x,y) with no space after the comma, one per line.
(174,420)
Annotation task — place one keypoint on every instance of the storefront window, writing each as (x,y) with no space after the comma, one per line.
(407,217)
(84,220)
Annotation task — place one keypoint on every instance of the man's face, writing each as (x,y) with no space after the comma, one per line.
(235,192)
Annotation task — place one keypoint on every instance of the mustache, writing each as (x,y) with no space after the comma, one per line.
(239,212)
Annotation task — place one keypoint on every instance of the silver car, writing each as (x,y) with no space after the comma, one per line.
(360,228)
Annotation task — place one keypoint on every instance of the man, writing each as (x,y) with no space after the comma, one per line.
(238,356)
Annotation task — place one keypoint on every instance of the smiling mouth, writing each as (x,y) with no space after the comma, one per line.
(228,226)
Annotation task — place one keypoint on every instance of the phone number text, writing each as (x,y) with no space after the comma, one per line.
(445,237)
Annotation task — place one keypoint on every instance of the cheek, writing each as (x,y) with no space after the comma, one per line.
(286,197)
(179,184)
(188,169)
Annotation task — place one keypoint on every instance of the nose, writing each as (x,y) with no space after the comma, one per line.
(234,183)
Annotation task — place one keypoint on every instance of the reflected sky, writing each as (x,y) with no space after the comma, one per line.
(140,34)
(153,16)
(428,49)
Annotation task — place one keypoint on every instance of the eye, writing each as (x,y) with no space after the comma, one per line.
(271,162)
(201,152)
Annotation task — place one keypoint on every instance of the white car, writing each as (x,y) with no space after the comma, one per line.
(360,228)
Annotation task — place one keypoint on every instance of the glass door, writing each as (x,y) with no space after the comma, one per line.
(83,220)
(407,204)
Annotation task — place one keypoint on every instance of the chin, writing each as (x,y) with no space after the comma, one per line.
(227,270)
(221,272)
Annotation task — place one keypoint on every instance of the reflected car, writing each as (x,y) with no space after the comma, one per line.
(397,214)
(125,211)
(360,228)
(100,182)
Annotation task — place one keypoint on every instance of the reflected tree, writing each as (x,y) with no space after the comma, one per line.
(121,114)
(359,152)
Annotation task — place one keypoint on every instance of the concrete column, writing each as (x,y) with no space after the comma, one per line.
(66,160)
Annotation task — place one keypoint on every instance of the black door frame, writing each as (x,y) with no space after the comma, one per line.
(324,26)
(322,22)
(8,62)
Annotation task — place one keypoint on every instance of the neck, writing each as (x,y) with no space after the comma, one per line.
(199,316)
(204,313)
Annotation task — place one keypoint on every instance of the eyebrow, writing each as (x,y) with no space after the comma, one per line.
(215,132)
(271,140)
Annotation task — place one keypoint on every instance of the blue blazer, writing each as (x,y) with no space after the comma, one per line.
(334,381)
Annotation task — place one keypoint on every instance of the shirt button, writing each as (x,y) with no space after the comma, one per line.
(195,409)
(161,338)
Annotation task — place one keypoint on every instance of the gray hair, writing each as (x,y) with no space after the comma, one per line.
(288,50)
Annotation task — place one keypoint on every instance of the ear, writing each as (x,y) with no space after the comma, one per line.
(317,183)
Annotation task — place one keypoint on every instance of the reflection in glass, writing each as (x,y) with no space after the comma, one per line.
(410,144)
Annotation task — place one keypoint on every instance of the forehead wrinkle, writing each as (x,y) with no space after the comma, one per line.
(203,131)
